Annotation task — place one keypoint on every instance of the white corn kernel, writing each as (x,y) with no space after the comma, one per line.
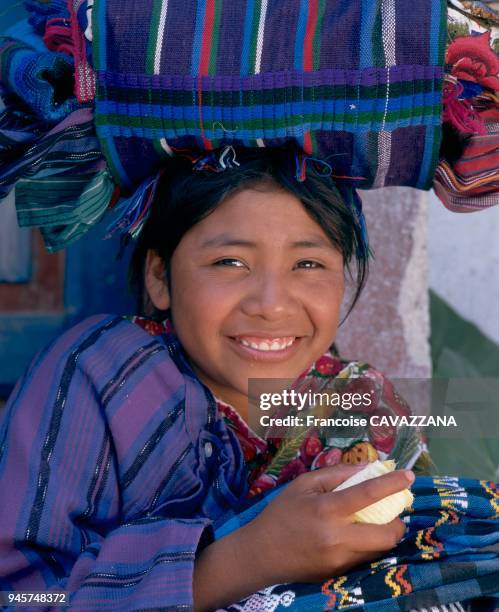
(386,509)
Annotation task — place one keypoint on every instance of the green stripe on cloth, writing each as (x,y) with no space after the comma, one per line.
(98,44)
(254,35)
(372,149)
(365,118)
(276,95)
(442,32)
(85,200)
(212,68)
(435,154)
(113,161)
(153,38)
(318,35)
(378,51)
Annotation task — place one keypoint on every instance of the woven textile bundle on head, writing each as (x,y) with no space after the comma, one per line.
(357,83)
(355,86)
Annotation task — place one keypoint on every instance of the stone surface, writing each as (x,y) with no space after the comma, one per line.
(389,327)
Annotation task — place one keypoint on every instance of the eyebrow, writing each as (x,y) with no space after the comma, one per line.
(228,240)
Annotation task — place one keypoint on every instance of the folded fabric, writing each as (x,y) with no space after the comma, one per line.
(469,180)
(473,59)
(471,183)
(63,185)
(38,204)
(450,553)
(42,80)
(487,104)
(357,84)
(27,147)
(41,11)
(67,34)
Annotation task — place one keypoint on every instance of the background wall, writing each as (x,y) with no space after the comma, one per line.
(390,325)
(464,263)
(431,308)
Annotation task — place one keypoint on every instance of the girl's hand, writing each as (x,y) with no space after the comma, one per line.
(307,534)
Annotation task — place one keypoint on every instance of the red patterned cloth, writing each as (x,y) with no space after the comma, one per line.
(471,183)
(471,107)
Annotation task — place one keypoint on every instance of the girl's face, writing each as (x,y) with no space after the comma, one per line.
(256,290)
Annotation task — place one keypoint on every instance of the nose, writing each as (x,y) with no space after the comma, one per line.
(270,296)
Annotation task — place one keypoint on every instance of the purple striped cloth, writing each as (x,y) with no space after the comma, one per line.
(357,83)
(114,465)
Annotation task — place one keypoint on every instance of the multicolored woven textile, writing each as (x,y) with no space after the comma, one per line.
(37,79)
(472,183)
(358,84)
(450,553)
(63,186)
(467,175)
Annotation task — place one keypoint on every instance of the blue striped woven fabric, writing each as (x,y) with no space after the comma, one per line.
(450,553)
(357,83)
(110,490)
(62,184)
(36,78)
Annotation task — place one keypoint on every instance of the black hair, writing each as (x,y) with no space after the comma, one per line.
(185,196)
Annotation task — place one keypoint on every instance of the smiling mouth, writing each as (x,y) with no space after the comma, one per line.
(266,344)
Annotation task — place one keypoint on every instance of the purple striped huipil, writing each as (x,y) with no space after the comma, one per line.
(114,464)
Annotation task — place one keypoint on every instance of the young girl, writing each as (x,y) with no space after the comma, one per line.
(127,439)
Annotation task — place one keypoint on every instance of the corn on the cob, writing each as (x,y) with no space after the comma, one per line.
(386,509)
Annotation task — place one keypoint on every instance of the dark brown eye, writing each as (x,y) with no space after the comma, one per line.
(309,264)
(229,262)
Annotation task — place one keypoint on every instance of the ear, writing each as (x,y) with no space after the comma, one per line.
(155,281)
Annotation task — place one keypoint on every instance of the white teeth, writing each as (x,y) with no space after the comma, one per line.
(275,345)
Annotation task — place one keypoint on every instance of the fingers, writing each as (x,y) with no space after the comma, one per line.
(367,538)
(350,500)
(328,478)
